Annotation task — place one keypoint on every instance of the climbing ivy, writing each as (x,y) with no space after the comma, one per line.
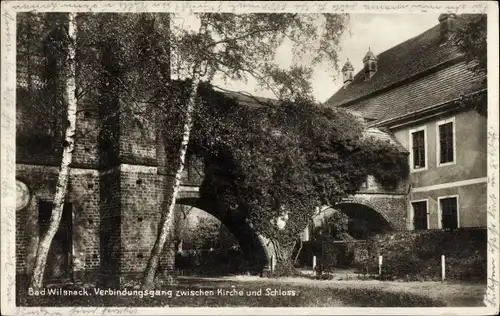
(274,164)
(386,162)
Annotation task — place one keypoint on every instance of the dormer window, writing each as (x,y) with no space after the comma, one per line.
(370,68)
(347,73)
(370,64)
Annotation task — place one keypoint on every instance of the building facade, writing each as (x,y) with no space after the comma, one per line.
(424,94)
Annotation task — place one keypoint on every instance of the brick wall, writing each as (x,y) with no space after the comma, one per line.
(137,136)
(110,241)
(83,194)
(116,207)
(86,152)
(21,241)
(371,185)
(391,207)
(140,215)
(41,184)
(39,92)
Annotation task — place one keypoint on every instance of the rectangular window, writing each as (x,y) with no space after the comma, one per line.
(418,149)
(419,215)
(446,143)
(449,212)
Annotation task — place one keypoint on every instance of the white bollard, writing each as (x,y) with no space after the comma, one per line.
(443,268)
(273,263)
(380,265)
(314,265)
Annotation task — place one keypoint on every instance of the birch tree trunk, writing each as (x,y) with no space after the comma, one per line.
(67,156)
(168,212)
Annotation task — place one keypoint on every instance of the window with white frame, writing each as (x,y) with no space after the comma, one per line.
(448,208)
(418,144)
(446,142)
(420,215)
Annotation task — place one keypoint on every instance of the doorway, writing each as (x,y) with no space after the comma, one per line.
(59,258)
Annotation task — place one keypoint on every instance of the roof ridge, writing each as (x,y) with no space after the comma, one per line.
(407,80)
(406,41)
(402,63)
(243,94)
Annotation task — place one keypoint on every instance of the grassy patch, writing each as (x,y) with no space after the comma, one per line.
(255,294)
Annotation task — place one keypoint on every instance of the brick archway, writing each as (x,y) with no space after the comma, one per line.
(365,218)
(252,244)
(364,202)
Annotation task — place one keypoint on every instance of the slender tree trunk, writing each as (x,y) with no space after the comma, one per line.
(67,156)
(168,212)
(298,252)
(179,247)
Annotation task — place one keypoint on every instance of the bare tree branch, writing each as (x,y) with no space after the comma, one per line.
(237,38)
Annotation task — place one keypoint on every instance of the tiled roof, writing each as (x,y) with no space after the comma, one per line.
(436,88)
(395,89)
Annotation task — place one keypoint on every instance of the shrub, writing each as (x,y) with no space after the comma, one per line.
(214,262)
(324,276)
(416,255)
(328,257)
(361,256)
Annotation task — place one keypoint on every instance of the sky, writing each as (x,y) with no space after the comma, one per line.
(376,31)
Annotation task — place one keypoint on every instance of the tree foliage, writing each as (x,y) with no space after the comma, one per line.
(205,233)
(239,46)
(470,37)
(116,63)
(41,56)
(385,162)
(333,227)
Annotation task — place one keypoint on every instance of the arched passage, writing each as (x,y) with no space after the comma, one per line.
(364,218)
(249,241)
(340,251)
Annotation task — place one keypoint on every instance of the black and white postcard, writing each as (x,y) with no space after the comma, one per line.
(267,157)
